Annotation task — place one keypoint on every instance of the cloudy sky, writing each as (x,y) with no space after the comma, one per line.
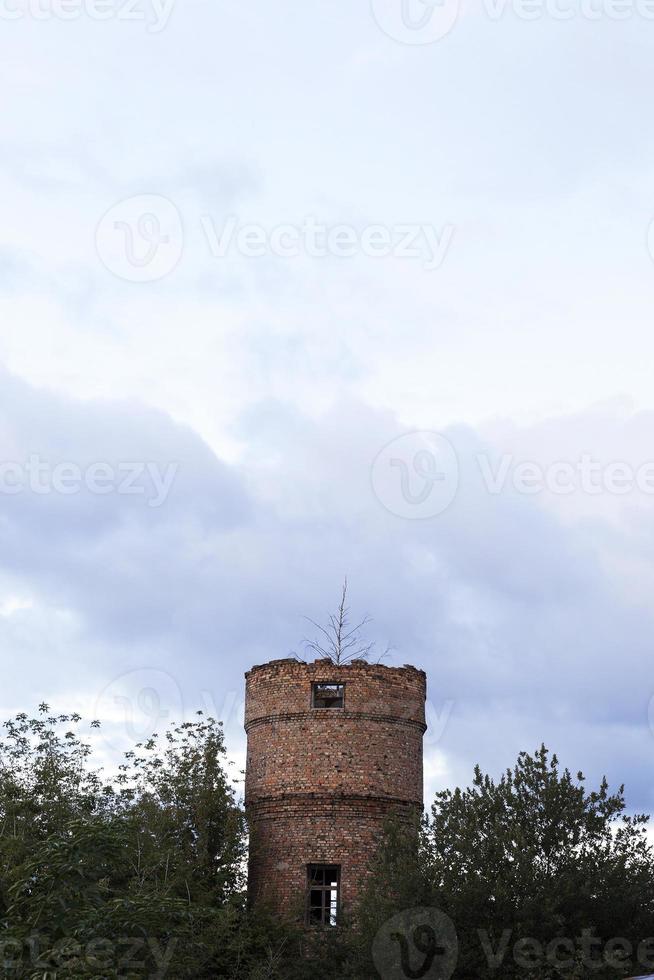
(297,290)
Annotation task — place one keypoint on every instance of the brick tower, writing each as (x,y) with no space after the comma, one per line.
(332,752)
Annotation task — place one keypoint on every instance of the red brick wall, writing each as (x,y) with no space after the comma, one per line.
(321,782)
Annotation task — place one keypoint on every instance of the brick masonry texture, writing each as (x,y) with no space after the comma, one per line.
(320,783)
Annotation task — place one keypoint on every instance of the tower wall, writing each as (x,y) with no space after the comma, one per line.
(320,782)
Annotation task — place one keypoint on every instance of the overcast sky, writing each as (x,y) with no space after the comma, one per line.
(297,290)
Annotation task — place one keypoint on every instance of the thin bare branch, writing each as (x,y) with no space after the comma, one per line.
(339,641)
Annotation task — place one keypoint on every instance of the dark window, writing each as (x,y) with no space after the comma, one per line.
(323,894)
(328,695)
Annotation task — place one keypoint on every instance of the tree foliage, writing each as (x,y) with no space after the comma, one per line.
(540,876)
(143,875)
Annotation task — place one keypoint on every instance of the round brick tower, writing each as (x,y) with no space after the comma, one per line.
(332,752)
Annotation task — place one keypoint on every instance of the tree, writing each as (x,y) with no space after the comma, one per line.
(539,876)
(339,641)
(144,875)
(139,877)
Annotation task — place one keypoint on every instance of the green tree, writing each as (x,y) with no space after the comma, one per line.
(529,859)
(142,876)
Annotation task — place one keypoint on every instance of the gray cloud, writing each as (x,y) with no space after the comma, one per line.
(510,611)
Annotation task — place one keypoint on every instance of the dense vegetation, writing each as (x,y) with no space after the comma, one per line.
(540,878)
(143,876)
